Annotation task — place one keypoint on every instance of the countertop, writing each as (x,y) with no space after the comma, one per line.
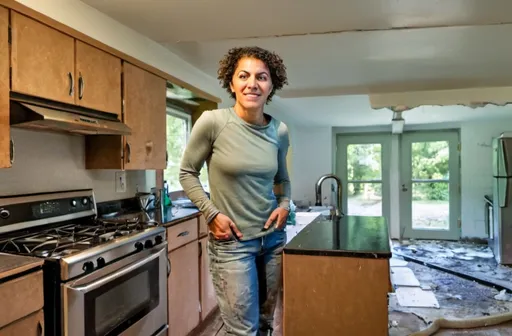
(350,236)
(13,264)
(174,215)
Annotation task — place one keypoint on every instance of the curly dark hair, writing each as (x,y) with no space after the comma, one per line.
(228,64)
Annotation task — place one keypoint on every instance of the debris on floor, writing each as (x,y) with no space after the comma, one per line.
(457,297)
(466,258)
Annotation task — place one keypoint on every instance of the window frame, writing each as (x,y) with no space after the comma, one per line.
(180,113)
(177,112)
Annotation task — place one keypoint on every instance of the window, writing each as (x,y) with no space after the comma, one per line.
(179,124)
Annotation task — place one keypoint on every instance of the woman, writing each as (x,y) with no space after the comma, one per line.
(245,150)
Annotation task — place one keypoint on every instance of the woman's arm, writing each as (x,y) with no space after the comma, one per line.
(282,185)
(198,149)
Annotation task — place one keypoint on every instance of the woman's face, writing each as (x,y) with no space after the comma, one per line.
(251,83)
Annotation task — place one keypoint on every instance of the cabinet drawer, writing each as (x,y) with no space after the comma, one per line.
(181,234)
(25,295)
(32,324)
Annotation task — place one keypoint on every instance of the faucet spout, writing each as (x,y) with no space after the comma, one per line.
(318,192)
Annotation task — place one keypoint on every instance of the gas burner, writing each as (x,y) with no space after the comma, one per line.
(66,240)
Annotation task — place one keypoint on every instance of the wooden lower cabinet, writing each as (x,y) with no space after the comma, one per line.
(208,299)
(30,325)
(183,290)
(190,287)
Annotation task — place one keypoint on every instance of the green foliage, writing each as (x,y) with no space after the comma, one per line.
(430,161)
(363,163)
(177,136)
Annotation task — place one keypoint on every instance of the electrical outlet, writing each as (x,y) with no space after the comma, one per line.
(120,181)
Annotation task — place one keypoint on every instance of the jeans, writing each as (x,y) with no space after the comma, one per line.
(247,277)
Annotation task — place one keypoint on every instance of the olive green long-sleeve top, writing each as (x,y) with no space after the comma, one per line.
(247,170)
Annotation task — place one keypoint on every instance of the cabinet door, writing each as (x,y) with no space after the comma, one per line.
(183,290)
(98,76)
(43,60)
(208,298)
(5,135)
(145,113)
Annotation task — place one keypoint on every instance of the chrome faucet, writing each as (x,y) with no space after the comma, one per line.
(318,191)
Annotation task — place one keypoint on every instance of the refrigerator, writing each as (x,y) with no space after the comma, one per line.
(501,229)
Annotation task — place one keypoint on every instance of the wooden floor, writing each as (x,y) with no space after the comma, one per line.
(213,326)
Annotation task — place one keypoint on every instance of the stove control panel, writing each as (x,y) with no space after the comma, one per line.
(38,207)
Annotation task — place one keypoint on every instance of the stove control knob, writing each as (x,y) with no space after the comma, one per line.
(85,201)
(158,240)
(4,214)
(73,203)
(139,246)
(148,244)
(88,266)
(101,262)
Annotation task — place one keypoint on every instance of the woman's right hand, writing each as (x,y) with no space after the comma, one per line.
(223,227)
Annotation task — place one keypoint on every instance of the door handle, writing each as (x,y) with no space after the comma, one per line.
(404,188)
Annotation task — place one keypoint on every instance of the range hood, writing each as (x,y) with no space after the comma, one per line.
(43,115)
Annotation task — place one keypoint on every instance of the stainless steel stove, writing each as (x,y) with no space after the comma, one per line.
(101,276)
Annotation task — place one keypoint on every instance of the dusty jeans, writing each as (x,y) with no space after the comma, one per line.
(247,277)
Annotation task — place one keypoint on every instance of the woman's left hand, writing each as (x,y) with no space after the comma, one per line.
(279,216)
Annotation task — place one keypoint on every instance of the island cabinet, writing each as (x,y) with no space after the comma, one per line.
(191,297)
(21,294)
(336,278)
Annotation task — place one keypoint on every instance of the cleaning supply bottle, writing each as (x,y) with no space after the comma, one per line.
(291,216)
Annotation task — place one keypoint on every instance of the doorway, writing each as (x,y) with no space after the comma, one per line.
(363,163)
(412,179)
(430,185)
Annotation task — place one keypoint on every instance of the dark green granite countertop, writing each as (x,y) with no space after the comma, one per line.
(173,215)
(350,236)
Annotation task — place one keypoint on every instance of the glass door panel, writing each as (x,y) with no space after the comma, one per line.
(363,165)
(430,175)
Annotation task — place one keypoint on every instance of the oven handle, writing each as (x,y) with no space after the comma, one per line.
(97,284)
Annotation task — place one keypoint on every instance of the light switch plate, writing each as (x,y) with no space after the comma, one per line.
(120,181)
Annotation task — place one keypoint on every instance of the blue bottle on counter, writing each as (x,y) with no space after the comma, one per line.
(291,216)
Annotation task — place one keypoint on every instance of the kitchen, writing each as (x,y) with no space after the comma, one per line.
(37,153)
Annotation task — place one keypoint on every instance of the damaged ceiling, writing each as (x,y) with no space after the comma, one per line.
(341,55)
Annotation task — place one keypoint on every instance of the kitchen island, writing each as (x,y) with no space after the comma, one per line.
(336,278)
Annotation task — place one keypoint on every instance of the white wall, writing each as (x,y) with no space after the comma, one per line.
(476,171)
(313,156)
(47,162)
(312,148)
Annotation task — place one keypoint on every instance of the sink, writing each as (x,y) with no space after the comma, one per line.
(324,210)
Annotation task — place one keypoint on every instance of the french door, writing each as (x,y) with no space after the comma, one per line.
(430,185)
(362,163)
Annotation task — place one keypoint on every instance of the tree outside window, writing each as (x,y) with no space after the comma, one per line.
(179,125)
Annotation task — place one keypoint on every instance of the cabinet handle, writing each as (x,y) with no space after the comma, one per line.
(200,250)
(81,86)
(128,152)
(11,151)
(39,329)
(71,84)
(169,268)
(183,234)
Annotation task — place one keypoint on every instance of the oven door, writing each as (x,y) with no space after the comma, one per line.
(129,300)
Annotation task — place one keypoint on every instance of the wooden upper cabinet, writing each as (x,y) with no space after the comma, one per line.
(145,113)
(98,79)
(5,148)
(42,60)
